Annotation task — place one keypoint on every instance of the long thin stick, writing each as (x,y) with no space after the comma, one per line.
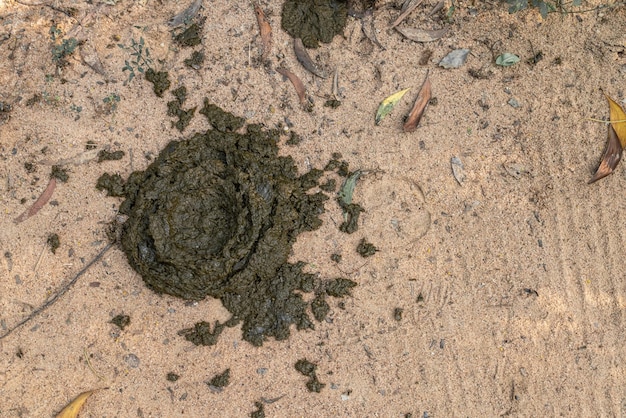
(60,293)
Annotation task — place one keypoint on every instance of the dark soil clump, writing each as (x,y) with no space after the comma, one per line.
(314,21)
(217,215)
(307,368)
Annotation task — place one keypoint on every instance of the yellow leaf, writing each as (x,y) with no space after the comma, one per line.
(618,120)
(388,104)
(73,408)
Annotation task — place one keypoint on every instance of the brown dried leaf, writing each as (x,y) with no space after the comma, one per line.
(415,115)
(90,57)
(39,203)
(266,31)
(422,35)
(303,58)
(297,83)
(610,159)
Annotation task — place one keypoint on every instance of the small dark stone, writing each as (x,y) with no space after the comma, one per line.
(336,258)
(366,249)
(397,314)
(190,36)
(54,242)
(220,380)
(172,377)
(332,103)
(122,321)
(305,367)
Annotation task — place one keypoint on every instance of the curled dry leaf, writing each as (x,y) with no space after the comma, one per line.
(415,115)
(422,35)
(73,408)
(616,141)
(39,203)
(266,31)
(297,83)
(458,171)
(303,58)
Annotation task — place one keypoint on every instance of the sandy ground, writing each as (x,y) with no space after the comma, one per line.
(512,283)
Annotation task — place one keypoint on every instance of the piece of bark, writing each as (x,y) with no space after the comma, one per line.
(266,31)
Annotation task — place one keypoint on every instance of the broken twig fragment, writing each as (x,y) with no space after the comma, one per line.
(266,31)
(39,203)
(303,58)
(297,84)
(407,8)
(416,113)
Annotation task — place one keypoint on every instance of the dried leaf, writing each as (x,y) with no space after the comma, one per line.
(266,31)
(90,57)
(610,159)
(387,105)
(407,8)
(73,408)
(297,83)
(458,171)
(616,141)
(618,120)
(303,58)
(347,189)
(39,203)
(422,35)
(415,115)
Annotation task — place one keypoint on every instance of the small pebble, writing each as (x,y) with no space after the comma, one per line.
(131,360)
(513,102)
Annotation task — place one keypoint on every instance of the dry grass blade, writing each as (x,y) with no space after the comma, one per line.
(303,58)
(415,115)
(410,7)
(297,83)
(265,29)
(39,203)
(610,159)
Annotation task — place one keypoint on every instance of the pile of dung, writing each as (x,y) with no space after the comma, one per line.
(217,215)
(314,21)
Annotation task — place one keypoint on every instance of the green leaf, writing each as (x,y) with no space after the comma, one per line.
(387,105)
(347,189)
(507,59)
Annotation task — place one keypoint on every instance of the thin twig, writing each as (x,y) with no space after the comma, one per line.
(63,290)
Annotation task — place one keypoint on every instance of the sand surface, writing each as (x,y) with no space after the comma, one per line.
(511,283)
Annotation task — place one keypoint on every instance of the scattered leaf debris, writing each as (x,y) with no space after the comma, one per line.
(507,59)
